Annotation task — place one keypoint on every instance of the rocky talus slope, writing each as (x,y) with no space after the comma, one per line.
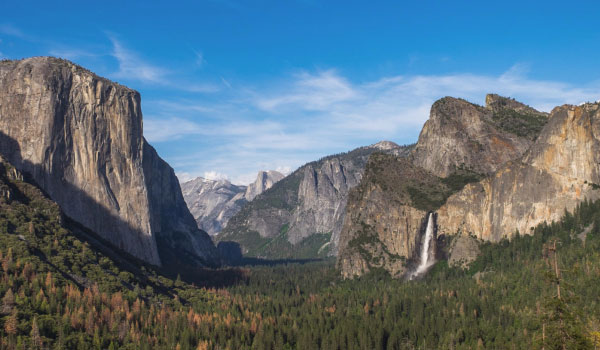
(459,144)
(302,215)
(560,170)
(213,202)
(80,138)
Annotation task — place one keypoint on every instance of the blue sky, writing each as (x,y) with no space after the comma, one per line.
(232,87)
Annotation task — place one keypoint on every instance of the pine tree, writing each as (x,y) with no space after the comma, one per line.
(10,326)
(36,339)
(8,302)
(561,328)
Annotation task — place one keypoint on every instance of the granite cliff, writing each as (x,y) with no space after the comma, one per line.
(560,170)
(301,216)
(459,144)
(460,134)
(213,202)
(79,136)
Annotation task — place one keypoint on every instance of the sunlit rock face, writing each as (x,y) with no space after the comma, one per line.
(560,170)
(385,216)
(80,138)
(460,134)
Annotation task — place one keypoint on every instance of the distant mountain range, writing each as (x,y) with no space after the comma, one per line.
(213,202)
(301,216)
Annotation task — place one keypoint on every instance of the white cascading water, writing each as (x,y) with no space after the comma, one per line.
(426,259)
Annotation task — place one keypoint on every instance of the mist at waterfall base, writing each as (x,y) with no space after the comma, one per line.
(426,258)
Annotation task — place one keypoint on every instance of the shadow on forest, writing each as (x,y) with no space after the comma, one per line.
(49,178)
(237,268)
(232,255)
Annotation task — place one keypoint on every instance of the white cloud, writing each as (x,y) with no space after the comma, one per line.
(10,30)
(133,67)
(200,61)
(313,114)
(214,175)
(159,130)
(284,169)
(70,54)
(184,177)
(314,92)
(226,82)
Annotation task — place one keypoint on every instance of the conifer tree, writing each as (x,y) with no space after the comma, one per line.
(561,328)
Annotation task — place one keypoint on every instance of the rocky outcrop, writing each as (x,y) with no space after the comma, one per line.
(560,170)
(264,181)
(461,135)
(80,138)
(460,143)
(310,201)
(213,202)
(463,251)
(498,104)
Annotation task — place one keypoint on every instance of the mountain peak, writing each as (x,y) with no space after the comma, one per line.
(385,145)
(264,181)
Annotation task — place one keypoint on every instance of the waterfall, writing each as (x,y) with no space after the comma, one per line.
(427,258)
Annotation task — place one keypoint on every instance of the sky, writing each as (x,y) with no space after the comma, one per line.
(231,87)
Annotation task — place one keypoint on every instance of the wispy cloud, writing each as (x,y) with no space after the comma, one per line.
(70,53)
(11,30)
(161,129)
(312,114)
(314,92)
(131,66)
(200,61)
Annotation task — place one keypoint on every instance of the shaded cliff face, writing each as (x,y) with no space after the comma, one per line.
(80,137)
(462,135)
(459,144)
(213,202)
(560,170)
(302,215)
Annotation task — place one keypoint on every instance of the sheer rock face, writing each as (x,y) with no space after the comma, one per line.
(311,200)
(322,197)
(460,134)
(383,223)
(559,170)
(380,226)
(80,137)
(213,202)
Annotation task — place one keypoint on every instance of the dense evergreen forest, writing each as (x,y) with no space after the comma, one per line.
(58,291)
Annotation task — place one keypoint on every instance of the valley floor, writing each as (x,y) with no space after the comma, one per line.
(59,292)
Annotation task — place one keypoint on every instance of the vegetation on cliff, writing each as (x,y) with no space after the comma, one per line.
(523,124)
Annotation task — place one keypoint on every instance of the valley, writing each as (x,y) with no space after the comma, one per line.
(484,234)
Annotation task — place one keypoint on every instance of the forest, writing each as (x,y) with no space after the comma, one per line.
(59,291)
